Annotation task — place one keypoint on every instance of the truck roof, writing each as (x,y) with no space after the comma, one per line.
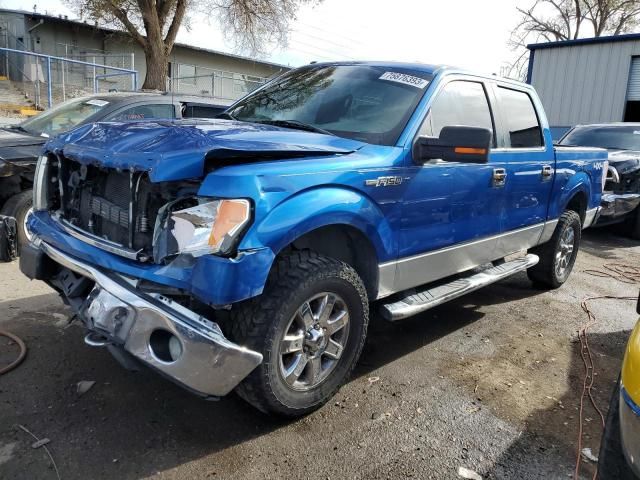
(432,69)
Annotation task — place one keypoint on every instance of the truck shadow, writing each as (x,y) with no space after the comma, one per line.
(136,423)
(601,243)
(547,446)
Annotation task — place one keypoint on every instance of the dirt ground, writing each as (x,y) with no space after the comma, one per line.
(490,382)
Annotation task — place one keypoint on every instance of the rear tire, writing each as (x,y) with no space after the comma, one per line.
(612,465)
(19,207)
(558,255)
(310,325)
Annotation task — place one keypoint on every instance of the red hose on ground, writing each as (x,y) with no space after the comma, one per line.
(21,355)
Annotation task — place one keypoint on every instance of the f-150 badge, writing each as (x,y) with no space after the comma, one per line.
(383,182)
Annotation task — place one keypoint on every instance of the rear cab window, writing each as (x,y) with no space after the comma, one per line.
(520,119)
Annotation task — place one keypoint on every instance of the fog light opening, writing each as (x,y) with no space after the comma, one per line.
(165,346)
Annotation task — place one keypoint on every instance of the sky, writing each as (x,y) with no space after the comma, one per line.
(471,34)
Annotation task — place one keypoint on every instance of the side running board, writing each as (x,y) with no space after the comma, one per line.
(420,301)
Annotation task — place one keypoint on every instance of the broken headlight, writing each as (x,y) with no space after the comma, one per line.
(200,226)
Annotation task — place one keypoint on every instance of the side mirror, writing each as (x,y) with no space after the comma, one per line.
(455,144)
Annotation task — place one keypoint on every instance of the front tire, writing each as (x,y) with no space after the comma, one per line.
(19,206)
(310,325)
(558,255)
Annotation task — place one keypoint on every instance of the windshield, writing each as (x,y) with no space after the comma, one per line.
(63,117)
(367,103)
(616,137)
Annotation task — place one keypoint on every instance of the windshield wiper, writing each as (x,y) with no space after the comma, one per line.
(295,124)
(16,127)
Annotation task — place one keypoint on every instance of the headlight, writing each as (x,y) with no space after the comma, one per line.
(208,227)
(40,186)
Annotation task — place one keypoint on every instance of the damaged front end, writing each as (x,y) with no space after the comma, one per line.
(125,214)
(150,327)
(621,195)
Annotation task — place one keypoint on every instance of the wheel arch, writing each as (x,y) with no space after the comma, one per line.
(336,222)
(578,202)
(347,244)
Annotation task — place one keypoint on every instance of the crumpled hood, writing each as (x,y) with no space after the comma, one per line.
(177,150)
(624,161)
(19,147)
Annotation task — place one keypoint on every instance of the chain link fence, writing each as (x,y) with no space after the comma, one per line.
(47,80)
(223,86)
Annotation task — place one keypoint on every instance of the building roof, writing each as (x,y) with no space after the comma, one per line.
(585,41)
(80,23)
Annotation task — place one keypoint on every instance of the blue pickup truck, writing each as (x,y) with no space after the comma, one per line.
(244,253)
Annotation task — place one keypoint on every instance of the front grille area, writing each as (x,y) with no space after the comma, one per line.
(120,206)
(110,212)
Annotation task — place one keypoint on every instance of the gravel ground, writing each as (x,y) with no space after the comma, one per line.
(490,382)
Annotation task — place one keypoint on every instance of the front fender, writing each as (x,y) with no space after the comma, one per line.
(318,208)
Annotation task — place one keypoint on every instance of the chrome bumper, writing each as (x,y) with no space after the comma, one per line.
(618,205)
(630,430)
(172,339)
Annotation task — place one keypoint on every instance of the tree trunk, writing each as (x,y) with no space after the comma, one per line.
(157,68)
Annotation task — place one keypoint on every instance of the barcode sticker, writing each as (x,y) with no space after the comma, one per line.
(404,79)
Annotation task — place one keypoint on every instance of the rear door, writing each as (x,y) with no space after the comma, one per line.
(530,168)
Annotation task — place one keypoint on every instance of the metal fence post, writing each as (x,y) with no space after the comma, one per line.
(49,90)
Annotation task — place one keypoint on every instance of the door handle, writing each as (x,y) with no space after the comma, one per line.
(547,171)
(499,177)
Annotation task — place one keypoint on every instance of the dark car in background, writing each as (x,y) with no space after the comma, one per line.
(621,196)
(20,145)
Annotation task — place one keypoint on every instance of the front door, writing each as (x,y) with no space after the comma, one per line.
(451,210)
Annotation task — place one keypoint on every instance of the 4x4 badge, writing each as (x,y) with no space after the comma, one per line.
(383,181)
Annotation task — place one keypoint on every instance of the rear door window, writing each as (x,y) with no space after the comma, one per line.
(521,119)
(146,112)
(459,103)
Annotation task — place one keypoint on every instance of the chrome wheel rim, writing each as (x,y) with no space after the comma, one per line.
(313,341)
(565,251)
(25,220)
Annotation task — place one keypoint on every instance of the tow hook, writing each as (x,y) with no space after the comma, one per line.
(94,339)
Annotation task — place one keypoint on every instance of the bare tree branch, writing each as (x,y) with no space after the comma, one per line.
(252,25)
(557,20)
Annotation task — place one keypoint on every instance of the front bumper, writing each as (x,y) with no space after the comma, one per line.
(630,430)
(147,325)
(617,206)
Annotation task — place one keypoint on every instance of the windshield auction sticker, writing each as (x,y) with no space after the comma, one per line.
(405,79)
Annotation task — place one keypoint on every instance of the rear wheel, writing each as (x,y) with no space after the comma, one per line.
(611,461)
(558,255)
(20,206)
(310,325)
